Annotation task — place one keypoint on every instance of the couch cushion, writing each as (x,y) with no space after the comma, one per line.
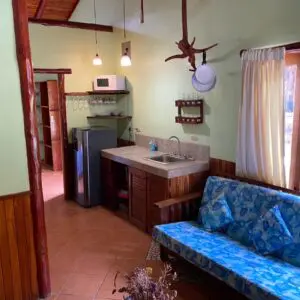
(216,214)
(270,233)
(248,202)
(253,275)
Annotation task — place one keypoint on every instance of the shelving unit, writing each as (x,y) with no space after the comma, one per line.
(111,117)
(49,124)
(114,92)
(189,103)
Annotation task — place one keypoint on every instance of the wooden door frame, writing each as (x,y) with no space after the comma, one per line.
(63,121)
(26,74)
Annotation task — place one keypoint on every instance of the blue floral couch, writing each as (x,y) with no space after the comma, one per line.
(233,253)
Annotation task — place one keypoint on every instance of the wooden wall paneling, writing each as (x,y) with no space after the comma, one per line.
(18,279)
(23,249)
(2,292)
(13,248)
(5,255)
(223,168)
(28,227)
(23,54)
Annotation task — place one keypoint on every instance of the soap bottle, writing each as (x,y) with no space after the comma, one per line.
(152,146)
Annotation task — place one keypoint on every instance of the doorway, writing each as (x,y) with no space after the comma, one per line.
(48,116)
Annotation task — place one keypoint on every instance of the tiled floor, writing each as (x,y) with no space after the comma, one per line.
(53,185)
(88,246)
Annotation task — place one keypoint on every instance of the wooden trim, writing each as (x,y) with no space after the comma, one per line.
(179,200)
(69,24)
(23,54)
(294,182)
(288,47)
(52,71)
(73,9)
(226,169)
(77,94)
(40,10)
(64,132)
(22,194)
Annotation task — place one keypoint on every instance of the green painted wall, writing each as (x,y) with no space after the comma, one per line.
(234,24)
(57,47)
(13,161)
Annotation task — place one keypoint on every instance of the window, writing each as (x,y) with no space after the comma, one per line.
(289,95)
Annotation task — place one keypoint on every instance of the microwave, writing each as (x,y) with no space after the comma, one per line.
(110,83)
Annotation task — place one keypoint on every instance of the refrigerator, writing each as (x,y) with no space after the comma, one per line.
(87,145)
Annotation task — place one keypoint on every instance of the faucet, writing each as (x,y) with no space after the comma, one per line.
(178,140)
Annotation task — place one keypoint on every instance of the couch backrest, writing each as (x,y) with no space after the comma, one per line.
(248,202)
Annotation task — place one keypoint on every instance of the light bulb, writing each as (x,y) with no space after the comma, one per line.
(125,61)
(97,61)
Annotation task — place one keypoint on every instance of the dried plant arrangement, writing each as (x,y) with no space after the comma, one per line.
(140,285)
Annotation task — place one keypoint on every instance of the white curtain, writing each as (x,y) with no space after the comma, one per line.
(260,147)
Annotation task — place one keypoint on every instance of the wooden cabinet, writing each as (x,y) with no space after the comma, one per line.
(138,198)
(48,112)
(145,189)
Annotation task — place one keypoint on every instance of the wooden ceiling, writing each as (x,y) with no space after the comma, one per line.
(51,9)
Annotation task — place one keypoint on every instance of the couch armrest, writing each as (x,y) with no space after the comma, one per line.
(178,209)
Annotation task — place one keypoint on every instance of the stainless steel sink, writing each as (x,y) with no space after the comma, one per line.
(167,159)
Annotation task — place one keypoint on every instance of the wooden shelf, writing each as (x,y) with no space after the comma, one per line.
(115,92)
(181,104)
(48,146)
(111,117)
(189,103)
(188,120)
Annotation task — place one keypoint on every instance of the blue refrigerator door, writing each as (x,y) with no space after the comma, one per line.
(97,139)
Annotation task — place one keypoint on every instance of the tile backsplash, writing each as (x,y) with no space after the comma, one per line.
(199,152)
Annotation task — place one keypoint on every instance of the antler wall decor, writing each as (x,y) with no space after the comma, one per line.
(184,46)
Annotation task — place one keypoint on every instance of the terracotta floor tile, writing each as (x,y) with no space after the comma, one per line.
(82,285)
(58,279)
(73,297)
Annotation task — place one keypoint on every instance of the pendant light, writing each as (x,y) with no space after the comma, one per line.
(97,61)
(125,59)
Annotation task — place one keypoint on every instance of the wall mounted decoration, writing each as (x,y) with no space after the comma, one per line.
(186,119)
(187,49)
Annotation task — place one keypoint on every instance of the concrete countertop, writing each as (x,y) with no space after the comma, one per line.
(134,156)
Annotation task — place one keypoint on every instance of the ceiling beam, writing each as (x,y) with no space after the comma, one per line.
(69,24)
(73,9)
(40,10)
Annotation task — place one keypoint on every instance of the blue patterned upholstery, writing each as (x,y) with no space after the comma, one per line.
(255,276)
(270,233)
(216,214)
(248,202)
(230,255)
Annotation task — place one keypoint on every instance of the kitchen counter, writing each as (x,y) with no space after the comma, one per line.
(134,156)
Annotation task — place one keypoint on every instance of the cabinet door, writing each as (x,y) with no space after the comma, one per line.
(55,125)
(157,190)
(109,191)
(138,198)
(56,155)
(52,90)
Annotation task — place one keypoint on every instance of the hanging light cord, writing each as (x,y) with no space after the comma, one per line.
(124,15)
(95,16)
